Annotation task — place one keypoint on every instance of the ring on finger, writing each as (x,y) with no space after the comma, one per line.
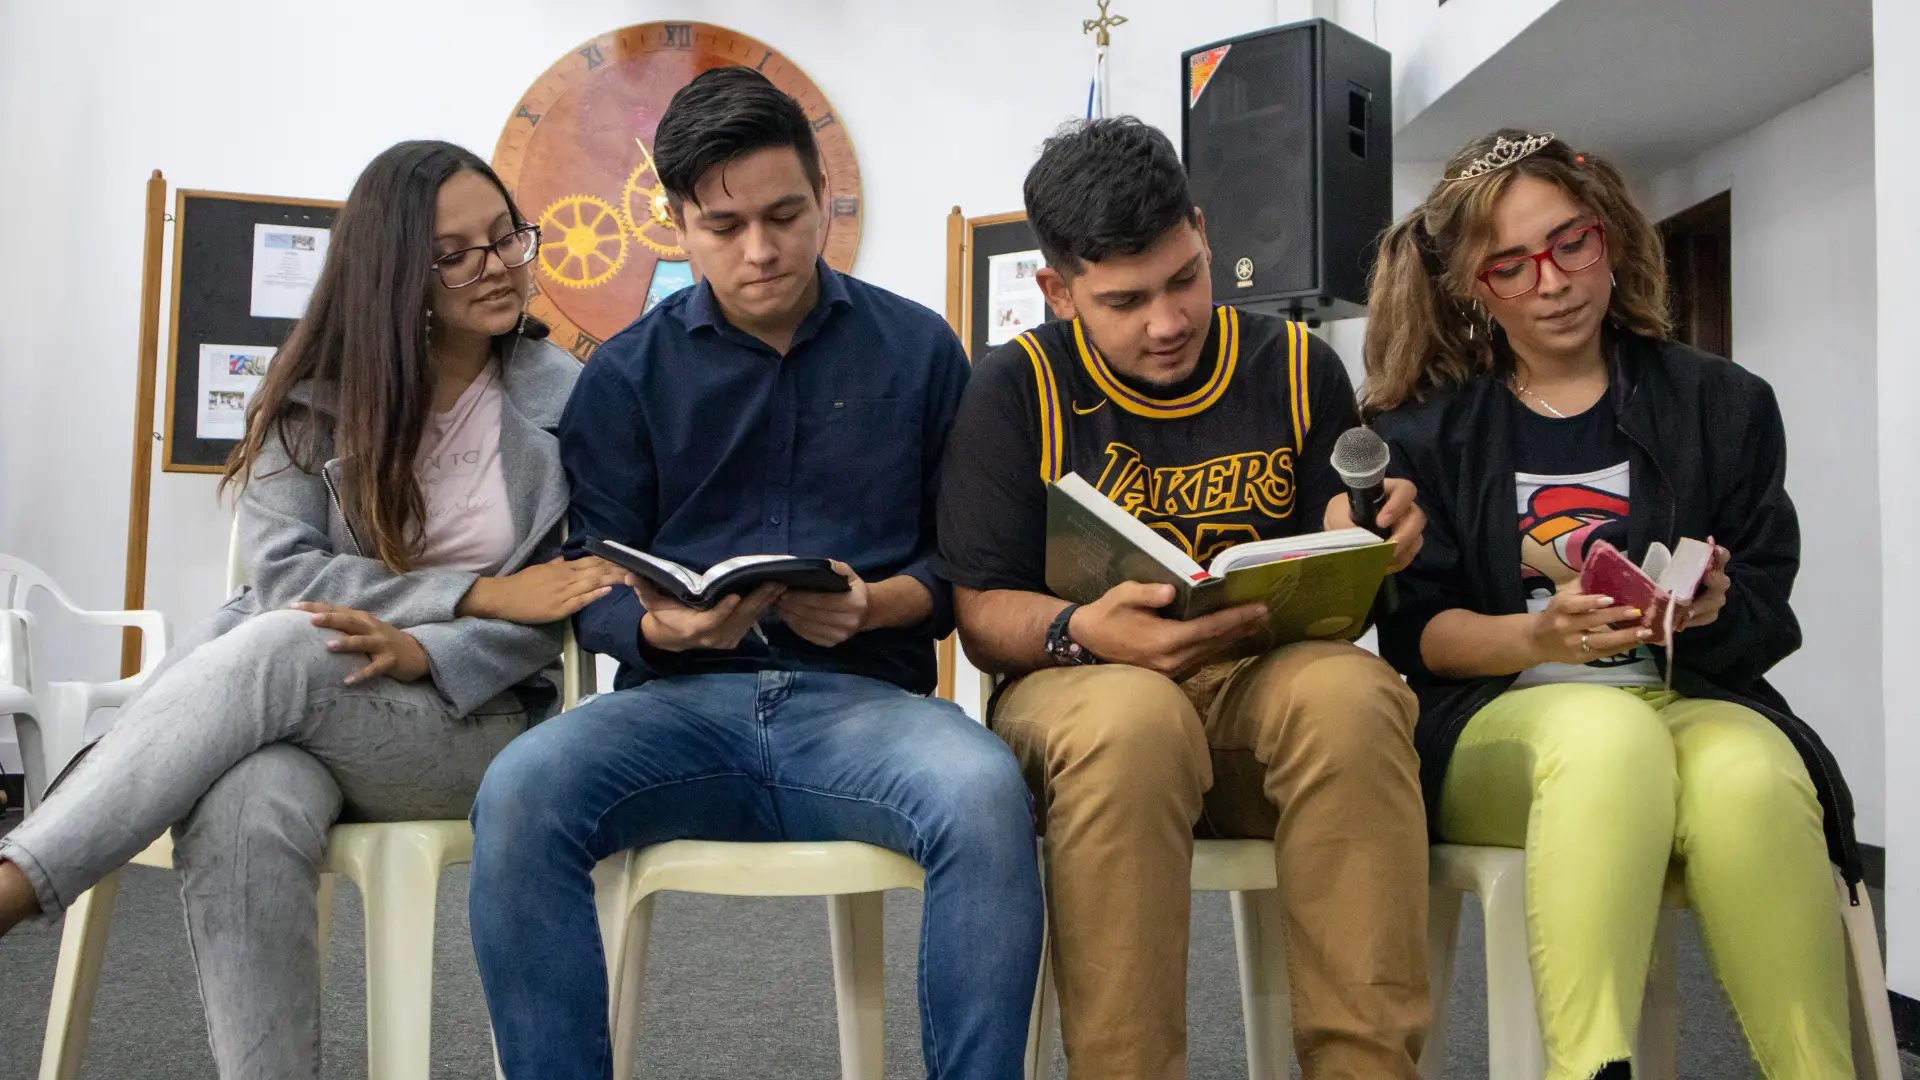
(1585,645)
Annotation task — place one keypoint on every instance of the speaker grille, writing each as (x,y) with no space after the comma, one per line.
(1250,160)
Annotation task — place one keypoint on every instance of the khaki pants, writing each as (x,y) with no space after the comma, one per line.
(1311,745)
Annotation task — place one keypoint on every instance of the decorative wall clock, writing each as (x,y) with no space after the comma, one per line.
(577,153)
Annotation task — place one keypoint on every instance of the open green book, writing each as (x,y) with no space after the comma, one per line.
(1316,585)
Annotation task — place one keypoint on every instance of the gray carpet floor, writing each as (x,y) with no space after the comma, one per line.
(737,988)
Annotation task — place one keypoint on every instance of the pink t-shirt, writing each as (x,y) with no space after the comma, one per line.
(469,522)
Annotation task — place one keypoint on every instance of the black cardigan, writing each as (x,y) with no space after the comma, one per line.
(1709,458)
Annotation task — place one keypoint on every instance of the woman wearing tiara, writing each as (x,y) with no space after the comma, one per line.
(1519,365)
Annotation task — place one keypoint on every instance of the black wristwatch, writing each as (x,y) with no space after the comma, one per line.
(1061,648)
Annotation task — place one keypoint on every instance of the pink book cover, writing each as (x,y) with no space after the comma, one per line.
(1608,572)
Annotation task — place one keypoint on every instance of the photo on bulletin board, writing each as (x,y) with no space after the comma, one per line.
(1001,299)
(243,268)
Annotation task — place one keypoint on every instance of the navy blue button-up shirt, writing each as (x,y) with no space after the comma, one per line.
(695,441)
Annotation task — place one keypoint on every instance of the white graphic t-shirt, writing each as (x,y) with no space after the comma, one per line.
(1578,494)
(469,522)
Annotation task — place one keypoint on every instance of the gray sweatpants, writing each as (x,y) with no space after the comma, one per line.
(250,747)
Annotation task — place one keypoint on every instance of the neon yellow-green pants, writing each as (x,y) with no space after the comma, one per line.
(1603,786)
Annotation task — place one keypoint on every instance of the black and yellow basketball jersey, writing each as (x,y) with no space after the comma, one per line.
(1237,451)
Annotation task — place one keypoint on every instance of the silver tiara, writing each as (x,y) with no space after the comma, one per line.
(1504,153)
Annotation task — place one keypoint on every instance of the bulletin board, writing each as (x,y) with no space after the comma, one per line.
(239,266)
(976,248)
(977,301)
(214,298)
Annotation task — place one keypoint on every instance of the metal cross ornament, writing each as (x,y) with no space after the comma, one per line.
(1102,24)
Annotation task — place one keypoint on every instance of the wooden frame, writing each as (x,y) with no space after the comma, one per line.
(140,491)
(168,464)
(140,488)
(960,230)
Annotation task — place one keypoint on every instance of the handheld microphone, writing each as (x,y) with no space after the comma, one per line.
(1360,457)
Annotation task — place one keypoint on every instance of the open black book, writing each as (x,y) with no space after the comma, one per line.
(740,574)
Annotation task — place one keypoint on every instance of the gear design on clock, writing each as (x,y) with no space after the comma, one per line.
(644,208)
(648,213)
(588,242)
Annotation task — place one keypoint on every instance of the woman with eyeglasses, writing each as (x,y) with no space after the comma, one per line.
(400,499)
(1519,365)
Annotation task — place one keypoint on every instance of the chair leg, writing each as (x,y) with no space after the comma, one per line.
(1875,1053)
(631,966)
(323,900)
(858,928)
(83,945)
(1443,937)
(1040,1023)
(1657,1052)
(612,879)
(1514,1047)
(1049,1023)
(36,757)
(400,883)
(1259,938)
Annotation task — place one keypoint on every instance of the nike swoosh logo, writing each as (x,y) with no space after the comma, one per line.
(1078,411)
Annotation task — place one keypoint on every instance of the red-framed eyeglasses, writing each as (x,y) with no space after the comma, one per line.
(1572,253)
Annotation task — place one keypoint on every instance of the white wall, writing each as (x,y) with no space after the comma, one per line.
(1896,39)
(1436,46)
(1804,319)
(945,105)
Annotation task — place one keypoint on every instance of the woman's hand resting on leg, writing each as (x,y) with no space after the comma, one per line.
(542,593)
(391,653)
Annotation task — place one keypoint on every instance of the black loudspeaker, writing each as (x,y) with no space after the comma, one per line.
(1287,138)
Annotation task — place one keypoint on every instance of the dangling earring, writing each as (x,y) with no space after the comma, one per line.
(1613,280)
(522,328)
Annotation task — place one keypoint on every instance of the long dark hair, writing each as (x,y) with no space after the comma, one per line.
(1422,336)
(363,345)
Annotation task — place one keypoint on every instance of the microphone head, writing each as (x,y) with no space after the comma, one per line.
(1360,457)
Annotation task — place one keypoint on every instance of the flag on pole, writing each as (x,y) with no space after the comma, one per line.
(1097,89)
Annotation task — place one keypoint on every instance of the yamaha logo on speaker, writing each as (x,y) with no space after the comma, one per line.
(1243,270)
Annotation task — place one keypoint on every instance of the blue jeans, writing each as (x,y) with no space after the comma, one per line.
(777,755)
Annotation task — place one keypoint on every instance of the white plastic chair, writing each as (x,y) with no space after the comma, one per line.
(53,727)
(1244,869)
(1514,1047)
(19,697)
(397,866)
(852,876)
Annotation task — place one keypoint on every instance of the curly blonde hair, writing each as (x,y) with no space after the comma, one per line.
(1420,304)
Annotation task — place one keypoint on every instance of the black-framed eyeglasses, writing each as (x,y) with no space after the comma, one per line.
(459,269)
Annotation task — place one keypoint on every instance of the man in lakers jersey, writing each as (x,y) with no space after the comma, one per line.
(1212,426)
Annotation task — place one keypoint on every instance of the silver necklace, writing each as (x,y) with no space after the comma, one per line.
(1544,403)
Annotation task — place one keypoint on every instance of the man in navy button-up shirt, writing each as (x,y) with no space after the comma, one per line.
(776,408)
(697,441)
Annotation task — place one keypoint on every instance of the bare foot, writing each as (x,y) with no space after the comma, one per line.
(17,900)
